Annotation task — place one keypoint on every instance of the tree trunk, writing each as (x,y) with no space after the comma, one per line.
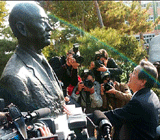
(99,14)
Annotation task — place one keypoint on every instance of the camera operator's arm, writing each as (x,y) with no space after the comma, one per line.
(95,95)
(104,97)
(102,89)
(126,96)
(76,91)
(102,68)
(113,67)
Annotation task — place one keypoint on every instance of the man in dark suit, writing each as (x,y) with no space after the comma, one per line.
(139,118)
(28,77)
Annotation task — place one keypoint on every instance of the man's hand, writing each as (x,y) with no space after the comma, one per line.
(66,110)
(45,131)
(103,68)
(80,86)
(111,91)
(70,61)
(75,64)
(66,99)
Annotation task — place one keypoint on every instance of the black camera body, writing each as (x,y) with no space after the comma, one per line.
(79,59)
(108,86)
(98,64)
(88,83)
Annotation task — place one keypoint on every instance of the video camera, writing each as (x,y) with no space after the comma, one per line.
(16,125)
(15,128)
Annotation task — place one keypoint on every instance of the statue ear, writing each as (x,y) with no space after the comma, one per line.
(21,28)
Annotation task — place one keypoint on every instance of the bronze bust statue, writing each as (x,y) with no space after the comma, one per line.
(30,81)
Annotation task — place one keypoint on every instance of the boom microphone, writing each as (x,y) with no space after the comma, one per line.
(37,114)
(104,124)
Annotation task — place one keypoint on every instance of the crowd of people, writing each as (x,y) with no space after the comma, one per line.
(98,87)
(31,82)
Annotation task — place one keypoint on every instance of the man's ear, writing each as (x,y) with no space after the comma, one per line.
(21,28)
(143,82)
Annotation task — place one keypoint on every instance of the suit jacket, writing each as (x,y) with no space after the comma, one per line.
(29,85)
(139,118)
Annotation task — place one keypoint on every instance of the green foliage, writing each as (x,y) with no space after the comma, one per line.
(6,50)
(3,12)
(118,46)
(126,50)
(115,14)
(7,33)
(157,91)
(78,13)
(62,42)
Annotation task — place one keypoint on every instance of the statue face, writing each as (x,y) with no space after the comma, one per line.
(38,28)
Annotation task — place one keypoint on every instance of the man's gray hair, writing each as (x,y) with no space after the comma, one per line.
(148,72)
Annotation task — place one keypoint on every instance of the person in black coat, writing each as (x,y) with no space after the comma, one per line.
(66,70)
(138,120)
(104,63)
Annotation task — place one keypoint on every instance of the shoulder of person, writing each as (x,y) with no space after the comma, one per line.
(55,58)
(121,86)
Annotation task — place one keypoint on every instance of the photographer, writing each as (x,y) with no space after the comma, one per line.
(66,69)
(114,95)
(103,63)
(87,93)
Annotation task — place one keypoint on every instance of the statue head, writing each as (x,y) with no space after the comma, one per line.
(30,25)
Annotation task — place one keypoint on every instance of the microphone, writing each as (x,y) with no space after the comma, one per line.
(102,121)
(37,114)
